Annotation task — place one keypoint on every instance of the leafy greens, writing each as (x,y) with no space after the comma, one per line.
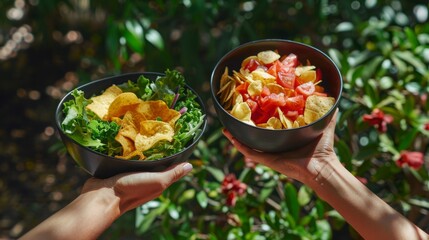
(89,130)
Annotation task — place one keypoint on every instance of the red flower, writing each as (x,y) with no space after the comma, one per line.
(232,188)
(412,159)
(426,126)
(378,119)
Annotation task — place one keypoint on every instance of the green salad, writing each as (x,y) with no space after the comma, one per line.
(162,116)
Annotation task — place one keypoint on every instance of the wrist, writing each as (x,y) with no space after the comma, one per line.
(322,170)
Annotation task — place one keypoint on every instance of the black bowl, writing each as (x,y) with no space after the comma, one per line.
(268,140)
(102,166)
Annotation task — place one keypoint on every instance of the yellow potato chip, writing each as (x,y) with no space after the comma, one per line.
(261,75)
(268,57)
(151,132)
(255,88)
(287,123)
(274,123)
(275,88)
(100,104)
(242,112)
(157,110)
(300,69)
(126,143)
(122,104)
(307,76)
(316,107)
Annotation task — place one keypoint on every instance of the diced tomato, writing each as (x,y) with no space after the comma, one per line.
(292,115)
(245,96)
(265,92)
(275,68)
(252,105)
(271,102)
(295,103)
(306,89)
(290,60)
(319,89)
(260,116)
(286,80)
(252,65)
(242,88)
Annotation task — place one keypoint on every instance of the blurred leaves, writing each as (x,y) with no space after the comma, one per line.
(380,47)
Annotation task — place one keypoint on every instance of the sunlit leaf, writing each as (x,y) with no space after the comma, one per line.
(292,201)
(202,199)
(154,37)
(344,26)
(134,35)
(412,59)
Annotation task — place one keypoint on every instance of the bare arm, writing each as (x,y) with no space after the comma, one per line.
(317,166)
(102,201)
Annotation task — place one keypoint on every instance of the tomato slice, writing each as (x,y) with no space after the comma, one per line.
(252,65)
(292,115)
(306,89)
(253,105)
(295,103)
(242,88)
(272,101)
(265,91)
(286,79)
(290,60)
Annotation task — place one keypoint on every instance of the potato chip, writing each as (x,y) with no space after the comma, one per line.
(268,57)
(151,132)
(122,104)
(261,75)
(274,123)
(275,88)
(245,61)
(157,110)
(255,88)
(300,69)
(316,107)
(307,76)
(287,123)
(100,104)
(242,112)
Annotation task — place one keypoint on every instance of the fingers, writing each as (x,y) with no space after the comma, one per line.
(175,173)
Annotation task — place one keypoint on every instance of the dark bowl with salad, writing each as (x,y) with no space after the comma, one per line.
(124,130)
(275,95)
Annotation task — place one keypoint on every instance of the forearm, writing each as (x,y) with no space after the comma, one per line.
(367,213)
(88,216)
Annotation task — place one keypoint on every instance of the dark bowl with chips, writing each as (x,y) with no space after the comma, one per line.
(103,166)
(269,140)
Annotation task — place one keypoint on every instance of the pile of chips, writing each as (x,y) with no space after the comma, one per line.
(142,123)
(274,92)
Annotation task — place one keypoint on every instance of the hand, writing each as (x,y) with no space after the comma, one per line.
(303,164)
(134,189)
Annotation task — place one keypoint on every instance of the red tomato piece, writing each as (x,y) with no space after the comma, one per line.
(242,88)
(306,89)
(252,105)
(271,102)
(292,115)
(290,60)
(265,91)
(252,65)
(286,79)
(295,103)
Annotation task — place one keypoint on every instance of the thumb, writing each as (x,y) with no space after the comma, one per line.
(176,172)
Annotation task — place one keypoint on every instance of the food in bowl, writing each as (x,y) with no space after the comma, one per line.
(274,91)
(278,140)
(141,120)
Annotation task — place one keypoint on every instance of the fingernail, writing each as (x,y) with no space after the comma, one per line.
(187,167)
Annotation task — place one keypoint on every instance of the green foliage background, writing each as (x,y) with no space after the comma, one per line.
(49,47)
